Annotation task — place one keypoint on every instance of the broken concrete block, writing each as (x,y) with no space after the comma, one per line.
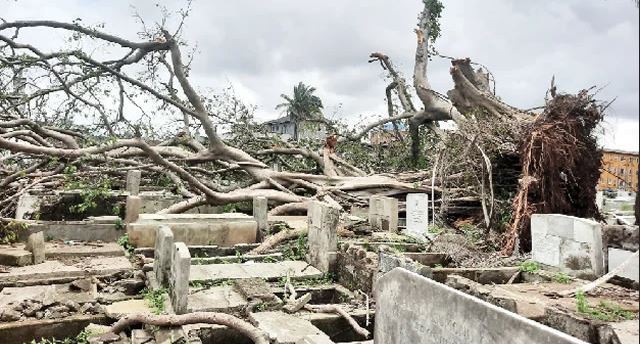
(260,208)
(179,280)
(162,255)
(35,244)
(323,236)
(383,213)
(297,304)
(133,182)
(132,209)
(617,257)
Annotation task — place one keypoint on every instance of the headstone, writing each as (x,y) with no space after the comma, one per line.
(179,280)
(617,257)
(162,255)
(570,243)
(132,209)
(383,213)
(133,182)
(260,208)
(412,309)
(323,236)
(417,215)
(35,244)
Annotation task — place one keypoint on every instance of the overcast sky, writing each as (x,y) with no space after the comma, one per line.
(264,47)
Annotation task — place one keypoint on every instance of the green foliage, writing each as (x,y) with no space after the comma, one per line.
(603,311)
(9,231)
(302,105)
(91,189)
(434,8)
(81,338)
(529,266)
(155,299)
(296,250)
(435,229)
(125,243)
(561,277)
(119,224)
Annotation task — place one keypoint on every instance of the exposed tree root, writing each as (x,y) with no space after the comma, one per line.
(252,332)
(338,310)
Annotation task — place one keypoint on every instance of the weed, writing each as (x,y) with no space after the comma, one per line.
(155,298)
(9,231)
(604,311)
(125,243)
(438,266)
(81,338)
(529,266)
(561,277)
(297,250)
(119,224)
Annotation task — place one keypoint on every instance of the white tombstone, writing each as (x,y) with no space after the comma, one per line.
(417,215)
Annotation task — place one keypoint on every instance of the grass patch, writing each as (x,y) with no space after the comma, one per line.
(604,311)
(561,277)
(529,266)
(155,299)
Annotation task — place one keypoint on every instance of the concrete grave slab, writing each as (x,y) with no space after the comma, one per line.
(133,182)
(105,265)
(283,328)
(193,218)
(35,244)
(132,209)
(120,309)
(269,271)
(83,249)
(216,299)
(163,254)
(223,233)
(260,209)
(48,269)
(15,256)
(383,213)
(412,309)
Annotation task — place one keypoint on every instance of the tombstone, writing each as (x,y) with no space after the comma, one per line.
(570,243)
(617,257)
(133,182)
(260,208)
(179,279)
(163,253)
(412,309)
(35,244)
(383,213)
(132,209)
(322,239)
(417,215)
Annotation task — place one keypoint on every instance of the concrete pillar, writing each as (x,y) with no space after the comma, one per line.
(133,182)
(35,244)
(260,208)
(179,280)
(323,235)
(132,209)
(163,253)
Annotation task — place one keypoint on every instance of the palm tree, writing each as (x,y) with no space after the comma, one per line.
(303,105)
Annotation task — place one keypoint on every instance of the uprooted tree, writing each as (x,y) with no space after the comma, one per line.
(80,114)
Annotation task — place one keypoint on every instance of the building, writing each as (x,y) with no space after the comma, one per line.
(619,170)
(387,134)
(309,130)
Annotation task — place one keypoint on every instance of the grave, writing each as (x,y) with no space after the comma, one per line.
(383,213)
(417,215)
(35,245)
(287,329)
(412,309)
(269,271)
(569,243)
(132,209)
(209,231)
(322,238)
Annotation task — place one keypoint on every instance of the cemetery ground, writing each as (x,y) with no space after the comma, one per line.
(382,274)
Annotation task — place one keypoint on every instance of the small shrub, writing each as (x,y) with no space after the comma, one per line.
(561,277)
(155,298)
(529,266)
(126,244)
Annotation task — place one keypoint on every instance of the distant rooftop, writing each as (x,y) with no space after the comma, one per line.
(619,151)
